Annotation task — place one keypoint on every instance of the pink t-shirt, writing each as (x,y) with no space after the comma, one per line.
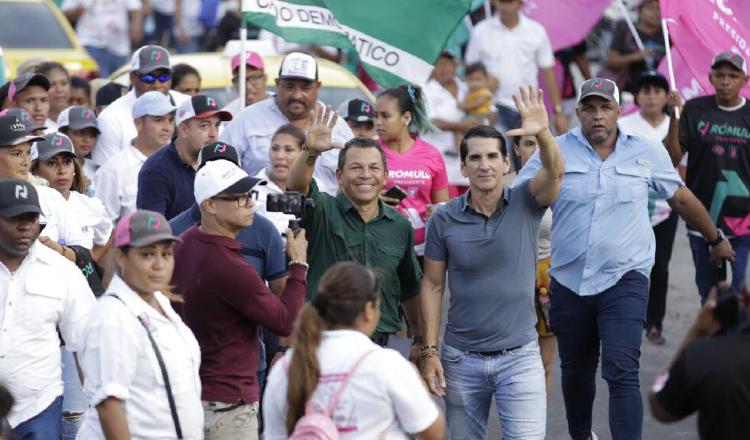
(419,171)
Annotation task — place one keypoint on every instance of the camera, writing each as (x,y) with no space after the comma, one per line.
(290,202)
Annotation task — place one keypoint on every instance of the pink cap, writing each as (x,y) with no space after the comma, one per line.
(253,60)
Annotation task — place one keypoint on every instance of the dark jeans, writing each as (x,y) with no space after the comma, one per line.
(614,320)
(44,426)
(705,270)
(657,291)
(163,24)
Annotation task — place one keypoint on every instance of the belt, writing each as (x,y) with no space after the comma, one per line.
(380,338)
(502,352)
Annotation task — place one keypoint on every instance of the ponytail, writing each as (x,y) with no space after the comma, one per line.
(304,368)
(411,99)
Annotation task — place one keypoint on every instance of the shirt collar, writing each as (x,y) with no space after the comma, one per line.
(135,303)
(465,205)
(383,209)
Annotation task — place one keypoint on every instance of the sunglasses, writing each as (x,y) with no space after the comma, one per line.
(150,79)
(243,200)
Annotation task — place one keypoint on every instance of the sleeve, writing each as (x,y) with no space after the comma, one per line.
(181,222)
(275,257)
(103,229)
(529,170)
(664,177)
(440,177)
(677,397)
(435,248)
(275,313)
(535,210)
(274,402)
(108,143)
(70,231)
(107,191)
(110,354)
(473,53)
(545,58)
(153,190)
(409,272)
(79,302)
(413,406)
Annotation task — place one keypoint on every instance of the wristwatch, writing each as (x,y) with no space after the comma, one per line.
(718,240)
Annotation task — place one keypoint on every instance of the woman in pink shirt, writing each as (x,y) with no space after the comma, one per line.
(415,166)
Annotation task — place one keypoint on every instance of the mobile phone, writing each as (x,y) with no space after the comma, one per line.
(727,310)
(395,192)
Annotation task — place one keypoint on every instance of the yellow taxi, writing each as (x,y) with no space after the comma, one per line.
(37,29)
(338,84)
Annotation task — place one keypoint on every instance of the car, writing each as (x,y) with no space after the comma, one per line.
(37,29)
(339,84)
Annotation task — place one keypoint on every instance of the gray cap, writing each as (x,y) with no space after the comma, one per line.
(77,118)
(142,228)
(25,117)
(25,80)
(150,58)
(13,131)
(52,145)
(18,197)
(732,58)
(601,87)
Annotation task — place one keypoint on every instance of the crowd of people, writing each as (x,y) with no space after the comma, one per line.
(278,268)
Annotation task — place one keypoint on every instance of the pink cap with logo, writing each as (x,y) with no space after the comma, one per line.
(253,60)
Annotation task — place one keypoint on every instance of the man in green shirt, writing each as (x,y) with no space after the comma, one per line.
(356,226)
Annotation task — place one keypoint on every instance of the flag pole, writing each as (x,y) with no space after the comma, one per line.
(630,24)
(668,47)
(243,57)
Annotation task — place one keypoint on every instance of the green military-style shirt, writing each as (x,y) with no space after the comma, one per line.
(336,232)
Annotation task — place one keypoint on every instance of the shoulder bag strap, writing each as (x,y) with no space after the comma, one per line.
(334,400)
(172,406)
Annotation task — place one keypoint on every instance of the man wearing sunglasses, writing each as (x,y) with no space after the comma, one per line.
(150,70)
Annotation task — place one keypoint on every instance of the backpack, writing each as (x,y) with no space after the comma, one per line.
(319,425)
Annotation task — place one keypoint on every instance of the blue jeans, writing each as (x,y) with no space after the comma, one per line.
(75,402)
(508,119)
(43,426)
(705,270)
(107,61)
(515,379)
(613,319)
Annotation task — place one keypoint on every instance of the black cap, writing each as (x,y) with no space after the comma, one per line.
(218,150)
(14,132)
(52,145)
(25,117)
(651,77)
(27,79)
(200,107)
(18,197)
(358,110)
(109,93)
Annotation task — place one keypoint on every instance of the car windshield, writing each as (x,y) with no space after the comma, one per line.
(31,26)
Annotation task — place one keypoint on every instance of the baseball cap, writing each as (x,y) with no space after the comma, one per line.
(25,117)
(217,150)
(27,79)
(358,110)
(732,58)
(218,176)
(253,60)
(601,87)
(152,104)
(142,228)
(18,197)
(297,65)
(150,58)
(109,93)
(651,77)
(200,107)
(77,118)
(52,145)
(13,131)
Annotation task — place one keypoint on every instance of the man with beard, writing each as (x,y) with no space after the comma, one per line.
(297,90)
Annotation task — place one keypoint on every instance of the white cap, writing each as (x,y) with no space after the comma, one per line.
(218,176)
(152,104)
(299,65)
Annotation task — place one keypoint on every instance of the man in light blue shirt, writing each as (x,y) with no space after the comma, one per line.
(602,253)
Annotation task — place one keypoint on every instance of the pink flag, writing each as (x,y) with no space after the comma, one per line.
(567,21)
(700,29)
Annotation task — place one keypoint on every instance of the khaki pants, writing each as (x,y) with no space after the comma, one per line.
(222,423)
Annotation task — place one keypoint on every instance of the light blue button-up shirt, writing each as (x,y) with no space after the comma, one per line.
(600,227)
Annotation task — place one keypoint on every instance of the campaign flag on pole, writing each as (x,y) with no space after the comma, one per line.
(396,40)
(567,21)
(700,29)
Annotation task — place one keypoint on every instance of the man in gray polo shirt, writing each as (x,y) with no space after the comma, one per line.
(487,241)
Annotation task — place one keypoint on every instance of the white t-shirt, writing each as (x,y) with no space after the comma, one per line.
(442,105)
(118,361)
(117,127)
(104,24)
(385,398)
(545,231)
(117,182)
(62,223)
(514,56)
(659,210)
(96,225)
(279,219)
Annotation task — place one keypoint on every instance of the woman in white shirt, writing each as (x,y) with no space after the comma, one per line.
(130,395)
(384,397)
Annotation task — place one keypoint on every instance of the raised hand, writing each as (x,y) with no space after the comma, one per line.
(322,121)
(534,119)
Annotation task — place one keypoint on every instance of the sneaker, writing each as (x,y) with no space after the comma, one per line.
(654,336)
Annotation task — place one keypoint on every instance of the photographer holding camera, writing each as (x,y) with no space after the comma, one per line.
(356,225)
(710,375)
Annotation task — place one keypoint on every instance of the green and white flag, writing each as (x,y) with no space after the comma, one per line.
(396,40)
